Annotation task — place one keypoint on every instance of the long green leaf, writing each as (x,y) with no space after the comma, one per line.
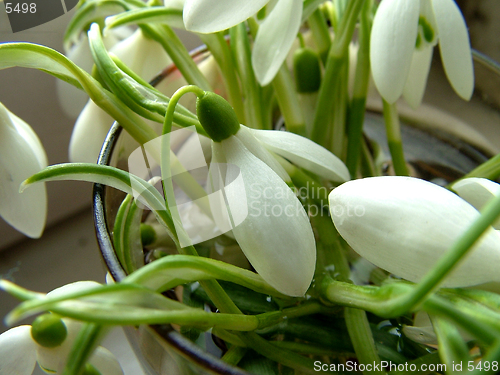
(110,176)
(95,11)
(27,55)
(159,14)
(173,270)
(128,304)
(116,296)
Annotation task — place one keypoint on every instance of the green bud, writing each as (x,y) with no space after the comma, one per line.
(307,70)
(148,234)
(48,330)
(217,116)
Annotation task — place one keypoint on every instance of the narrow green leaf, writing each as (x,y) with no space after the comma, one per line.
(95,11)
(452,348)
(158,14)
(27,55)
(173,270)
(110,176)
(105,297)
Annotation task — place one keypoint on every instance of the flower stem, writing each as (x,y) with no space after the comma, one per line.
(336,57)
(489,169)
(217,44)
(361,337)
(288,101)
(320,32)
(393,129)
(234,355)
(356,320)
(361,81)
(164,35)
(240,45)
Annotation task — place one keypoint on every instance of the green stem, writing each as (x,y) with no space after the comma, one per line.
(361,82)
(452,348)
(489,169)
(217,44)
(361,337)
(234,355)
(336,57)
(275,317)
(83,347)
(288,101)
(240,44)
(339,109)
(164,35)
(320,32)
(275,353)
(393,129)
(356,320)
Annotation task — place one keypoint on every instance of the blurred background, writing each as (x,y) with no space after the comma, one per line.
(67,251)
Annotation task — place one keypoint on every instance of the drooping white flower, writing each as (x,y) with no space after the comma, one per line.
(19,352)
(404,225)
(21,155)
(142,55)
(478,191)
(402,40)
(270,224)
(274,37)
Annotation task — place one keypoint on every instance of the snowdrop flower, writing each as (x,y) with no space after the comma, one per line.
(402,40)
(274,38)
(48,342)
(21,155)
(142,55)
(276,234)
(404,225)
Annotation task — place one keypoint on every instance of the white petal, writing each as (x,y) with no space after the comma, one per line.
(143,55)
(246,136)
(21,156)
(392,41)
(88,134)
(276,236)
(17,351)
(104,361)
(275,38)
(404,225)
(208,16)
(305,153)
(478,191)
(454,45)
(417,79)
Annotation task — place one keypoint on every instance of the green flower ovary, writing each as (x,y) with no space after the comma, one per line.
(49,331)
(216,116)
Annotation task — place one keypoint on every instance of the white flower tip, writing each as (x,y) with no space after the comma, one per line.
(23,185)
